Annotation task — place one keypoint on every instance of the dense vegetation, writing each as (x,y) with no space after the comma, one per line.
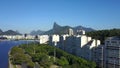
(43,56)
(103,34)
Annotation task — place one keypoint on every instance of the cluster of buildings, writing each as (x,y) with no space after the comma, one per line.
(105,56)
(25,37)
(18,37)
(79,45)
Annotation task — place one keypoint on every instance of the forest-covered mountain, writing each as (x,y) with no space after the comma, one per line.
(103,34)
(38,32)
(9,32)
(57,29)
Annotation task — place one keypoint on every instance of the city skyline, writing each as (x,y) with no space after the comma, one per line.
(28,15)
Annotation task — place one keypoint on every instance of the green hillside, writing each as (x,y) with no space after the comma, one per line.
(57,29)
(103,34)
(43,55)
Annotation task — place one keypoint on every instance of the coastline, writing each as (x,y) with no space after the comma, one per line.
(10,65)
(6,47)
(9,62)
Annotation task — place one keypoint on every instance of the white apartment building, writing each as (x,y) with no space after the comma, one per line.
(81,45)
(44,39)
(30,37)
(80,32)
(61,42)
(70,32)
(112,52)
(54,39)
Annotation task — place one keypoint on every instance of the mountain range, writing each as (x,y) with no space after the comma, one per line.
(57,29)
(38,32)
(9,32)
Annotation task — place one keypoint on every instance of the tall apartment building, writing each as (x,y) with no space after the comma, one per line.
(81,46)
(112,52)
(99,56)
(54,39)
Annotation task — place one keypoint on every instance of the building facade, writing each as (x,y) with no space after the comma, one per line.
(54,39)
(81,46)
(112,52)
(70,32)
(44,39)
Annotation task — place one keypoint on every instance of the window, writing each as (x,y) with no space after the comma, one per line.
(107,41)
(113,42)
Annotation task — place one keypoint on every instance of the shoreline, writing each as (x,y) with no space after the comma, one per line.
(9,62)
(6,47)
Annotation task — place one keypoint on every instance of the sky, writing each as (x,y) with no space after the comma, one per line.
(27,15)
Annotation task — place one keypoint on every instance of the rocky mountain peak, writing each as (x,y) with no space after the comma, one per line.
(56,25)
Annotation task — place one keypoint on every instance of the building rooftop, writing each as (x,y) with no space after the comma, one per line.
(115,38)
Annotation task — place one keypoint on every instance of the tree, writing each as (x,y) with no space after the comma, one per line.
(103,34)
(63,61)
(30,64)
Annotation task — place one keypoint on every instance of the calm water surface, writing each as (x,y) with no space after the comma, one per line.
(4,49)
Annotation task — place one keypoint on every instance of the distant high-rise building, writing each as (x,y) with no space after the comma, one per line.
(44,39)
(81,32)
(71,32)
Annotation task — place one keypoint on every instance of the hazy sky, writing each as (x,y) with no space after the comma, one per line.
(28,15)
